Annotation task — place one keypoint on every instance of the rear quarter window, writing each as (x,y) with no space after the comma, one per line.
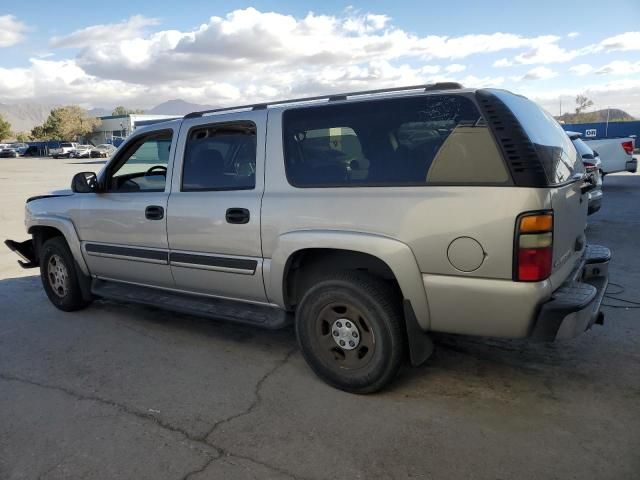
(559,157)
(422,140)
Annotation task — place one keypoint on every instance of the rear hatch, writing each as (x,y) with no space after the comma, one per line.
(570,220)
(550,161)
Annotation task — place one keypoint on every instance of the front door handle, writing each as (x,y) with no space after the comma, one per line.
(237,215)
(154,212)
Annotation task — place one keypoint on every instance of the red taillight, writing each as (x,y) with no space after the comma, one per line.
(628,147)
(534,247)
(534,264)
(589,167)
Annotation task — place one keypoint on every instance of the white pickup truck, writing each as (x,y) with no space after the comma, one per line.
(616,154)
(64,150)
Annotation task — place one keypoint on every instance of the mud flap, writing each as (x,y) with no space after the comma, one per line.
(420,344)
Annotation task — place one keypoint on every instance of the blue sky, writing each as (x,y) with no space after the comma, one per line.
(142,53)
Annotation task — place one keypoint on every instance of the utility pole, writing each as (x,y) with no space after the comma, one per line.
(560,106)
(606,128)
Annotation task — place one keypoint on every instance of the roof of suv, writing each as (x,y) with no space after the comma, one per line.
(435,87)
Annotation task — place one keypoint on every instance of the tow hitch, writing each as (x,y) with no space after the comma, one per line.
(25,251)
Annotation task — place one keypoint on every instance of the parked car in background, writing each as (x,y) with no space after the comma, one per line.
(593,168)
(102,151)
(64,150)
(81,151)
(14,150)
(616,154)
(7,152)
(369,219)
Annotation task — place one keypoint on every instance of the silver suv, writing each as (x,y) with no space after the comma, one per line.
(368,219)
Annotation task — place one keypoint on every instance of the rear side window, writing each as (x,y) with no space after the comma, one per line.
(220,157)
(555,149)
(431,139)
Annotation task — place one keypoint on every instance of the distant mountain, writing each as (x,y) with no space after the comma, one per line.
(177,107)
(615,115)
(24,116)
(99,112)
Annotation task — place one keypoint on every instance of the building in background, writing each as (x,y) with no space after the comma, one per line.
(115,128)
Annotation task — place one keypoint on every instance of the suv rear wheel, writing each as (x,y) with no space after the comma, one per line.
(59,277)
(350,330)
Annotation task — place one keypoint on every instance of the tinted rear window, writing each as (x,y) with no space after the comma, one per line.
(557,153)
(431,139)
(66,145)
(220,157)
(583,149)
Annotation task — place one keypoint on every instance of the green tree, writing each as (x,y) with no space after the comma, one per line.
(5,129)
(120,110)
(23,137)
(65,123)
(38,133)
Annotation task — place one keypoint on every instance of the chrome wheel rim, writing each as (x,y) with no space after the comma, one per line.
(345,337)
(58,275)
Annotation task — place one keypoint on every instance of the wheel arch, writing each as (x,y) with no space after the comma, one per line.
(44,228)
(388,257)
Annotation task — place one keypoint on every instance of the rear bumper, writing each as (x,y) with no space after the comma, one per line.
(575,306)
(595,200)
(632,166)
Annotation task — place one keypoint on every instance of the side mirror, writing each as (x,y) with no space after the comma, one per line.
(84,182)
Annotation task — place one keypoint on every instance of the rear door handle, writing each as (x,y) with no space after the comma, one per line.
(237,215)
(154,212)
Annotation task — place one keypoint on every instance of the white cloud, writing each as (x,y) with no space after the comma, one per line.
(539,73)
(503,62)
(251,41)
(11,30)
(250,56)
(573,34)
(619,67)
(108,33)
(547,53)
(625,41)
(581,69)
(455,68)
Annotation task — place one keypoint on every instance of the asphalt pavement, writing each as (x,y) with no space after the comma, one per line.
(120,391)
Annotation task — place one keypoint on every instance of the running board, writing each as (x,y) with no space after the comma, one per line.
(229,310)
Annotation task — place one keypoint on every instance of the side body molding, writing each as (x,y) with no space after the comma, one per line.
(68,230)
(397,255)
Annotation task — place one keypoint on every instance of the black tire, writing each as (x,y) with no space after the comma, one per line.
(59,277)
(339,305)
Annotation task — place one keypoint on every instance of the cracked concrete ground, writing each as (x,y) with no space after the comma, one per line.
(122,391)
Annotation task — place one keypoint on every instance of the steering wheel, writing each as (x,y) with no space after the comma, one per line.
(156,167)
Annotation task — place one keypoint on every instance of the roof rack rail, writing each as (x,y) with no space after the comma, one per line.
(331,97)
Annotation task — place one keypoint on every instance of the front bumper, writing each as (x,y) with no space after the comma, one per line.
(575,306)
(632,166)
(25,251)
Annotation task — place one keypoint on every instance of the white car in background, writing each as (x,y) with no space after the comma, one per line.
(64,150)
(103,151)
(616,154)
(81,151)
(593,168)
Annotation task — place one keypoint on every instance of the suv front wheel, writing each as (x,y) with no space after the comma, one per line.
(350,330)
(59,277)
